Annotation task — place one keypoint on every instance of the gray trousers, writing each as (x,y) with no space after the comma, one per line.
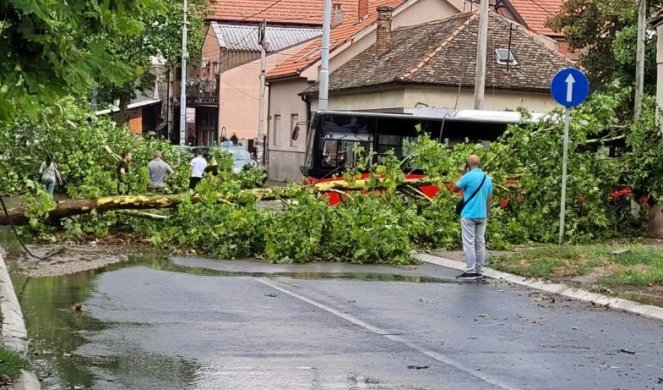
(474,243)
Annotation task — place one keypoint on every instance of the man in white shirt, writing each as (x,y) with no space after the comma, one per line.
(198,165)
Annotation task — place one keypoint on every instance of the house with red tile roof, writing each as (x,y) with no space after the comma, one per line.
(534,14)
(223,93)
(431,66)
(434,63)
(289,112)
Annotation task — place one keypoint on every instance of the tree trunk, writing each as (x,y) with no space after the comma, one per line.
(656,221)
(72,207)
(69,208)
(123,114)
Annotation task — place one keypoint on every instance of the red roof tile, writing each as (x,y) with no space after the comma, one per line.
(444,53)
(536,12)
(310,54)
(307,12)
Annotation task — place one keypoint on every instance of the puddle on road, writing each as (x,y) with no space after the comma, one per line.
(8,240)
(57,331)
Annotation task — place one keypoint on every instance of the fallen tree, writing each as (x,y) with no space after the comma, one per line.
(73,207)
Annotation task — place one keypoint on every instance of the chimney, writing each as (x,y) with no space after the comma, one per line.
(362,10)
(383,38)
(337,15)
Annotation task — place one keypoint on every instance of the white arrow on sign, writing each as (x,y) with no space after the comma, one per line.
(570,80)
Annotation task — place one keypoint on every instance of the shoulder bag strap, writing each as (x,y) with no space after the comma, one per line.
(477,190)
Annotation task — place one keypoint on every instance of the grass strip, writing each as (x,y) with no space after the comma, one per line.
(11,363)
(635,265)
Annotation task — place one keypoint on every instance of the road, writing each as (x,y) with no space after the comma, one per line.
(249,325)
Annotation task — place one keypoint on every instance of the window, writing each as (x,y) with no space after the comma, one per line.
(295,129)
(277,130)
(505,56)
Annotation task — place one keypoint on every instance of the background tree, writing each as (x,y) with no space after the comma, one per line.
(51,48)
(605,30)
(160,41)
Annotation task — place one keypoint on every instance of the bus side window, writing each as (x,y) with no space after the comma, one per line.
(390,142)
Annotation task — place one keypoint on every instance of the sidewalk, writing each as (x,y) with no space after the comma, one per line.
(553,288)
(13,333)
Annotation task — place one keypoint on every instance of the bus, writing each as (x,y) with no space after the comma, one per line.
(334,134)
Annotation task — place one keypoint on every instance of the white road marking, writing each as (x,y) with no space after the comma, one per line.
(384,333)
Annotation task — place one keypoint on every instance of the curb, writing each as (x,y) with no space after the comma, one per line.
(648,311)
(27,381)
(13,333)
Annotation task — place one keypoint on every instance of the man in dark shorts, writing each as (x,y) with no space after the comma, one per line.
(198,165)
(122,171)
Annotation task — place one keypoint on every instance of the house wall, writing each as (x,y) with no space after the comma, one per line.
(425,11)
(386,101)
(211,51)
(497,100)
(399,100)
(239,94)
(285,155)
(136,120)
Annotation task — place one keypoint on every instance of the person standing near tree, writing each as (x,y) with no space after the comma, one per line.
(49,174)
(159,172)
(477,188)
(122,171)
(198,165)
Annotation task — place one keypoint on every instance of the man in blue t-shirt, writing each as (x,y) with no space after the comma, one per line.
(473,217)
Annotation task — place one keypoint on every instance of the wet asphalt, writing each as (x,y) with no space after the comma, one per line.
(250,325)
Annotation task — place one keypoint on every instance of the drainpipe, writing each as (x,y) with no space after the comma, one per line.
(306,99)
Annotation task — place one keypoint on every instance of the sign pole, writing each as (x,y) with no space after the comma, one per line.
(565,157)
(569,87)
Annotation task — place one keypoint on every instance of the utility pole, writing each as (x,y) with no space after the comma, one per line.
(260,144)
(640,60)
(185,55)
(323,95)
(657,23)
(482,46)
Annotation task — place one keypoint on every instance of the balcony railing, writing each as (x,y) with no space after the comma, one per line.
(202,92)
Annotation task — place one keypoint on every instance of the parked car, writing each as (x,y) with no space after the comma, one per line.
(241,157)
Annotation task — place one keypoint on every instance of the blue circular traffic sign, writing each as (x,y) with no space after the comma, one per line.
(569,87)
